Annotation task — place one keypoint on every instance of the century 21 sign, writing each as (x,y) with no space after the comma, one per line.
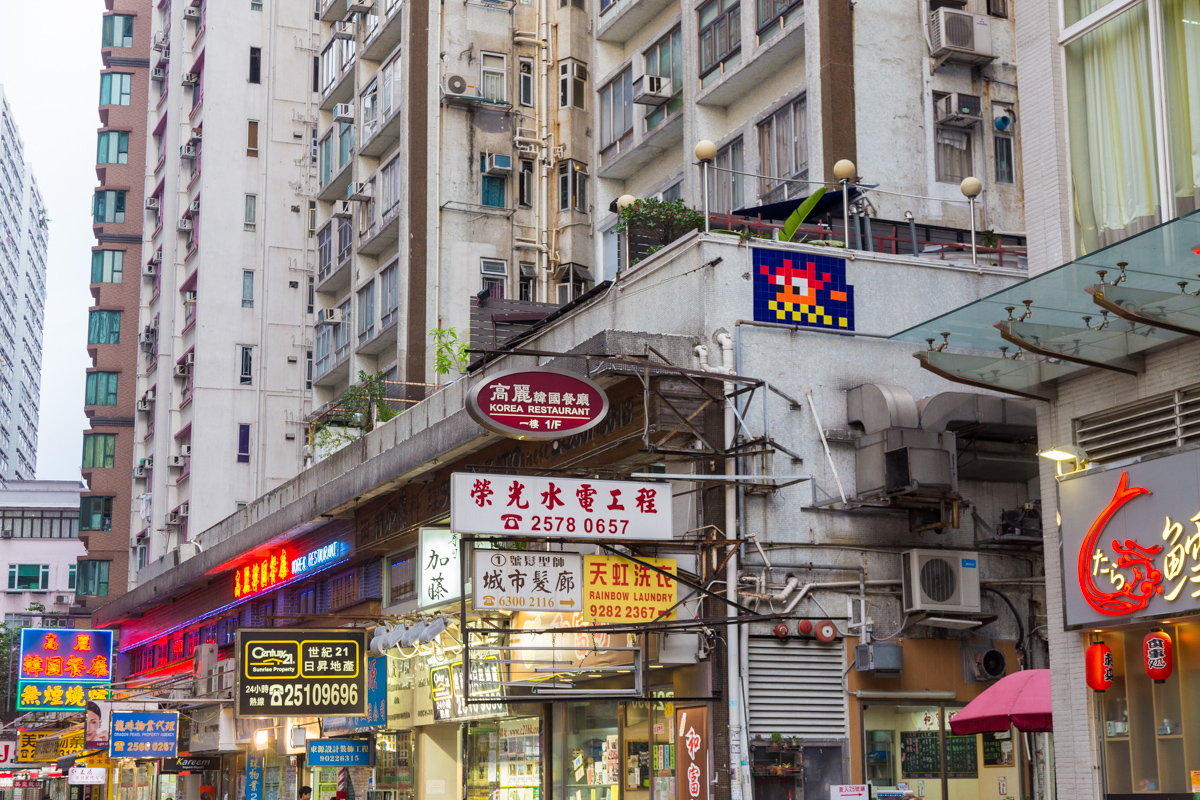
(302,672)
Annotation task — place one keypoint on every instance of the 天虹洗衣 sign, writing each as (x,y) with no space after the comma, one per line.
(302,672)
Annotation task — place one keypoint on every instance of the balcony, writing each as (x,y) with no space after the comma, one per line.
(384,338)
(778,44)
(381,135)
(340,89)
(333,10)
(382,234)
(339,182)
(387,34)
(622,19)
(629,155)
(336,365)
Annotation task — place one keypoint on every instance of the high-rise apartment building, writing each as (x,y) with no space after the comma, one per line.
(110,397)
(453,165)
(23,249)
(41,556)
(221,393)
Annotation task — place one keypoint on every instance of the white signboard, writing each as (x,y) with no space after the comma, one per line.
(87,776)
(520,581)
(559,507)
(8,752)
(855,791)
(439,576)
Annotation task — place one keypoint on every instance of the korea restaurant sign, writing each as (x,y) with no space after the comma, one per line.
(559,507)
(1131,542)
(61,669)
(537,404)
(302,672)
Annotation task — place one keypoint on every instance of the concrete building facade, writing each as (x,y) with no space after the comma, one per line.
(23,250)
(223,328)
(42,555)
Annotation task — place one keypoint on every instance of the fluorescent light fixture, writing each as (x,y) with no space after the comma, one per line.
(411,633)
(1066,452)
(433,630)
(261,737)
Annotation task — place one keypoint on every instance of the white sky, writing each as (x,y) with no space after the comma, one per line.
(49,67)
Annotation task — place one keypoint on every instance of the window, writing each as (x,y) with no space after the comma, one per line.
(725,188)
(525,79)
(306,601)
(19,620)
(345,143)
(29,577)
(39,523)
(95,513)
(366,313)
(71,574)
(997,8)
(495,276)
(99,450)
(953,154)
(312,293)
(113,148)
(720,33)
(1006,169)
(243,451)
(572,84)
(251,212)
(255,64)
(108,206)
(616,109)
(572,186)
(246,365)
(108,266)
(252,138)
(672,193)
(389,295)
(101,389)
(343,589)
(493,187)
(391,85)
(118,31)
(665,59)
(525,184)
(247,288)
(115,89)
(769,13)
(324,252)
(783,146)
(256,5)
(370,107)
(308,368)
(104,327)
(493,77)
(403,574)
(528,286)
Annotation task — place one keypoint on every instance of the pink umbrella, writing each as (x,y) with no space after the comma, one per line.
(1021,699)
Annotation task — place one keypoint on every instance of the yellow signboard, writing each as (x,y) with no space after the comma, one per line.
(27,744)
(616,589)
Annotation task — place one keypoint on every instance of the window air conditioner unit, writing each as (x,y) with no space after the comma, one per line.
(159,42)
(158,74)
(182,370)
(183,510)
(146,336)
(343,112)
(941,581)
(197,134)
(360,191)
(960,36)
(187,151)
(148,462)
(498,164)
(185,450)
(150,394)
(184,225)
(150,270)
(152,203)
(140,473)
(957,110)
(145,405)
(343,30)
(330,316)
(191,13)
(652,90)
(173,518)
(194,207)
(6,535)
(157,257)
(191,78)
(189,358)
(341,209)
(189,297)
(176,462)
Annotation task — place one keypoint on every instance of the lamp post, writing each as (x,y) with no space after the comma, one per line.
(844,171)
(623,202)
(971,187)
(705,152)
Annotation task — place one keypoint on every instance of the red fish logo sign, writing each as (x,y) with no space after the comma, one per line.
(1130,595)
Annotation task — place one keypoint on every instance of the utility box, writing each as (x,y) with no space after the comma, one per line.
(885,659)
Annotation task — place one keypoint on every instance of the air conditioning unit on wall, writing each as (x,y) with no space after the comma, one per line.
(941,581)
(961,36)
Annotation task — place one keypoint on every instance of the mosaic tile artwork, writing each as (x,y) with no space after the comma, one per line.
(802,289)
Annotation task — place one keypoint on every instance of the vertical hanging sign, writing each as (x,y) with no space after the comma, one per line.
(692,753)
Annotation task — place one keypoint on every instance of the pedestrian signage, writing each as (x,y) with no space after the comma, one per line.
(537,404)
(566,508)
(514,580)
(850,792)
(616,589)
(61,669)
(302,673)
(143,734)
(340,753)
(87,776)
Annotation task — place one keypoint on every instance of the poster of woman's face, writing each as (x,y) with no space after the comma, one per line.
(95,729)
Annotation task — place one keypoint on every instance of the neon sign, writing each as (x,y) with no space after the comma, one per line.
(1130,594)
(61,669)
(277,567)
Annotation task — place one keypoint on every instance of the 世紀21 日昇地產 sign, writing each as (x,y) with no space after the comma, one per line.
(537,403)
(302,672)
(559,507)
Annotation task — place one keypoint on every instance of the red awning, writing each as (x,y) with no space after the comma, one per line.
(1021,699)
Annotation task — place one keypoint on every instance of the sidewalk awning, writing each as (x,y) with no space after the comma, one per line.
(1020,700)
(1101,311)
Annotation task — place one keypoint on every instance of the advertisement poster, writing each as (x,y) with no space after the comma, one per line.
(340,752)
(377,703)
(98,721)
(143,734)
(314,672)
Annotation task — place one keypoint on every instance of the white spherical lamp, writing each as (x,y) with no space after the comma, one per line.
(706,150)
(844,170)
(971,187)
(624,201)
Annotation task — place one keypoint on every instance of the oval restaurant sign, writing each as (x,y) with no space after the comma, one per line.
(537,404)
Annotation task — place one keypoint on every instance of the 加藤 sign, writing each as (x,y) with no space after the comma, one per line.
(559,507)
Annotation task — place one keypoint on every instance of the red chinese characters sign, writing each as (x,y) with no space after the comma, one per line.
(537,404)
(272,569)
(616,589)
(559,507)
(691,753)
(61,669)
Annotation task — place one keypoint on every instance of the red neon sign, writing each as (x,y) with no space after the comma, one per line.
(1131,595)
(274,568)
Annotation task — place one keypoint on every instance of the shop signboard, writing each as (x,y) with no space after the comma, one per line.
(439,571)
(144,734)
(255,767)
(87,776)
(27,745)
(448,693)
(554,507)
(400,680)
(514,580)
(8,752)
(571,651)
(850,792)
(616,589)
(376,716)
(174,766)
(27,783)
(278,566)
(537,403)
(692,746)
(340,752)
(61,669)
(308,672)
(64,742)
(1131,542)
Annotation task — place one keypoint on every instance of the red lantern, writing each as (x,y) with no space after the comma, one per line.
(1158,655)
(1099,667)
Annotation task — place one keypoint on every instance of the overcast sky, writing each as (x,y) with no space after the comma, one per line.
(49,66)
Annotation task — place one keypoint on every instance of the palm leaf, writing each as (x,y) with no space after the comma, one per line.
(800,214)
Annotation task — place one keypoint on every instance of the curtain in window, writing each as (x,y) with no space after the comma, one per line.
(1181,30)
(104,327)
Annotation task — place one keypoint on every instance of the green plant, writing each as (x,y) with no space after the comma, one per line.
(658,222)
(797,217)
(359,410)
(449,354)
(776,738)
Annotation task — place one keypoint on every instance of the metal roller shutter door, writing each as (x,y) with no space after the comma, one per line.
(795,688)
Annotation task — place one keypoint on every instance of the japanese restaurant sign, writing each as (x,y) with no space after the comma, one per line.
(691,746)
(301,673)
(559,507)
(523,581)
(61,669)
(537,404)
(616,589)
(144,734)
(439,576)
(1131,542)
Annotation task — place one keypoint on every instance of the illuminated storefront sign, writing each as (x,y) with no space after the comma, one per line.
(1131,542)
(61,669)
(281,565)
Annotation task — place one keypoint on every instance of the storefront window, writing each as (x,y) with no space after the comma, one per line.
(592,768)
(649,735)
(136,781)
(394,763)
(504,759)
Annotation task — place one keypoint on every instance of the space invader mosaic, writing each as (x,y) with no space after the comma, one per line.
(802,289)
